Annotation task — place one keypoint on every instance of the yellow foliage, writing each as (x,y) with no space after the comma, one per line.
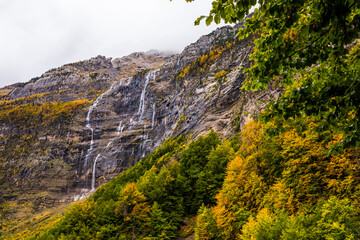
(228,45)
(132,205)
(279,196)
(31,98)
(30,115)
(243,187)
(221,74)
(184,72)
(255,225)
(203,59)
(202,62)
(283,171)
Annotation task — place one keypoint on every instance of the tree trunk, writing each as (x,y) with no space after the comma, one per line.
(133,237)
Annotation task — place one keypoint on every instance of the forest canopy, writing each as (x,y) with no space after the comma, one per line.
(307,47)
(293,172)
(291,34)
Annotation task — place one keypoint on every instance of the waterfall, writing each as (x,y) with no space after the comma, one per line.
(119,128)
(131,123)
(143,145)
(94,167)
(243,59)
(177,65)
(93,173)
(86,163)
(88,125)
(149,76)
(153,117)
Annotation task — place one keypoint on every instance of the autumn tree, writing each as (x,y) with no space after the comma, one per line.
(293,34)
(133,208)
(205,225)
(303,43)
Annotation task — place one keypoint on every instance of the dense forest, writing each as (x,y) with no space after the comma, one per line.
(293,172)
(275,180)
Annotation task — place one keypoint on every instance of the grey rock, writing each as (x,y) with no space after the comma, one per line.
(126,126)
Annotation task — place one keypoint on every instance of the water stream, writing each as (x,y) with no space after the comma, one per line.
(177,65)
(149,77)
(119,128)
(88,126)
(143,145)
(153,116)
(93,174)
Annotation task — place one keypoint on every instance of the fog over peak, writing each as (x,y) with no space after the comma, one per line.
(40,34)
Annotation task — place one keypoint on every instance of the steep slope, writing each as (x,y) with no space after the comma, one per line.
(121,110)
(43,127)
(195,92)
(283,177)
(292,175)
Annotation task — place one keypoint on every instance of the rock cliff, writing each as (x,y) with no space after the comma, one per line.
(120,110)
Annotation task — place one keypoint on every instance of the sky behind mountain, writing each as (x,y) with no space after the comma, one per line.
(38,35)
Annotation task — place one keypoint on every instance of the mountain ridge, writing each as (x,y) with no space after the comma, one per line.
(137,102)
(179,150)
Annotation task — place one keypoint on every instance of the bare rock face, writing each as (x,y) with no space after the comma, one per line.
(84,79)
(45,165)
(138,101)
(78,77)
(140,61)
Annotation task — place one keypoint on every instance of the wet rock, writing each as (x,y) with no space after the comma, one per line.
(138,102)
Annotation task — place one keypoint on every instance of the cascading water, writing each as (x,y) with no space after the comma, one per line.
(94,166)
(86,163)
(149,76)
(153,116)
(177,65)
(143,145)
(119,128)
(131,123)
(93,174)
(88,125)
(142,105)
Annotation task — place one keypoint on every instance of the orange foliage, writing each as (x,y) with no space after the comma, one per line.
(203,62)
(243,187)
(35,115)
(284,171)
(31,98)
(221,74)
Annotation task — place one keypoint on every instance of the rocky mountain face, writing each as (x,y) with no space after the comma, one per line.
(109,113)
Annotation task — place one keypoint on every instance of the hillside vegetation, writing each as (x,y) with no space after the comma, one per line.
(293,172)
(279,179)
(287,175)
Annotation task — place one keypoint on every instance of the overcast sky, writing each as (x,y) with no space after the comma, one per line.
(37,35)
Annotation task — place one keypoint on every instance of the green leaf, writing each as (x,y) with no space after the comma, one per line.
(197,21)
(209,20)
(217,18)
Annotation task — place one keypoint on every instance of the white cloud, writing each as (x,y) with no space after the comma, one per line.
(41,34)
